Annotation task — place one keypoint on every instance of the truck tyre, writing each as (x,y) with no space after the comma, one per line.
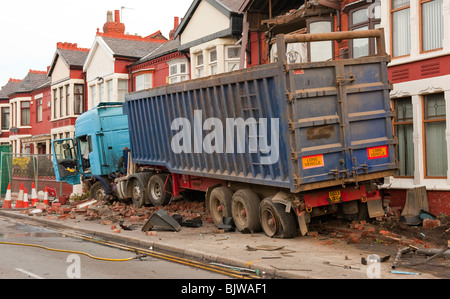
(137,192)
(275,221)
(158,195)
(245,211)
(220,204)
(98,191)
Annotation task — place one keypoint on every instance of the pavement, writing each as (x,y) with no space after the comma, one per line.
(314,256)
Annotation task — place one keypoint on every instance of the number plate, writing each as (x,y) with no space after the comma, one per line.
(335,196)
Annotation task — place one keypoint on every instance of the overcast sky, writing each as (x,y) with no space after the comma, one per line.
(30,29)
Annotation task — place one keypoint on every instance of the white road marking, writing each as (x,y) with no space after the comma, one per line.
(29,273)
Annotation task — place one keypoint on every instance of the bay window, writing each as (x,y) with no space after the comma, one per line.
(232,58)
(213,62)
(178,71)
(199,71)
(78,99)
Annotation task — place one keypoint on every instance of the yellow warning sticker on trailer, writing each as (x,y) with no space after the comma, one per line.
(313,161)
(377,152)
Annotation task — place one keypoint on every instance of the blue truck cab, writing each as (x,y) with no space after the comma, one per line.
(101,134)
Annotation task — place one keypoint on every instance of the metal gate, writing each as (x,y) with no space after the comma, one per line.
(26,169)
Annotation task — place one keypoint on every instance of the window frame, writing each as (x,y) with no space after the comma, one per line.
(199,68)
(424,134)
(146,84)
(397,124)
(312,20)
(232,60)
(421,33)
(370,23)
(6,118)
(68,92)
(39,110)
(61,101)
(179,75)
(28,113)
(81,99)
(55,103)
(391,18)
(212,62)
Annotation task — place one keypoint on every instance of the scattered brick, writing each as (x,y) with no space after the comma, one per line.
(431,223)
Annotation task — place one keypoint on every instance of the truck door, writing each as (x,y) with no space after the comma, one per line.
(65,161)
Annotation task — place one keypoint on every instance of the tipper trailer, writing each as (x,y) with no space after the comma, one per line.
(271,146)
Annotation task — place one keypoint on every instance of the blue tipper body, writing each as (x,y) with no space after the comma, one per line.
(335,123)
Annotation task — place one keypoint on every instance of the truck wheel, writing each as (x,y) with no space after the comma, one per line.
(98,191)
(137,193)
(275,222)
(220,204)
(245,211)
(157,194)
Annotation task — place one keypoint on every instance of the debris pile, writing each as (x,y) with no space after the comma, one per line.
(121,216)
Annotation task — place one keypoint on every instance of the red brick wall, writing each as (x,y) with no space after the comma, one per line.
(438,201)
(160,66)
(44,126)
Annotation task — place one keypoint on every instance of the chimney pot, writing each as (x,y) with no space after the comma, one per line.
(117,16)
(109,16)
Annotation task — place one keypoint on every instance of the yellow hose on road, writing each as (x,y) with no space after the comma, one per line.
(69,251)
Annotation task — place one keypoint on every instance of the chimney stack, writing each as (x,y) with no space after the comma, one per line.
(176,23)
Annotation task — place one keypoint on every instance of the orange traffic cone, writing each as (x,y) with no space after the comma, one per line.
(25,203)
(46,197)
(34,198)
(19,202)
(7,202)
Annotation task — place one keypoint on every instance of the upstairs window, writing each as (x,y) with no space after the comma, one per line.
(232,58)
(323,50)
(400,28)
(432,31)
(178,71)
(25,113)
(363,18)
(39,110)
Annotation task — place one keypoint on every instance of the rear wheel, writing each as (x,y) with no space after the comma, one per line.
(245,211)
(220,204)
(275,221)
(157,187)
